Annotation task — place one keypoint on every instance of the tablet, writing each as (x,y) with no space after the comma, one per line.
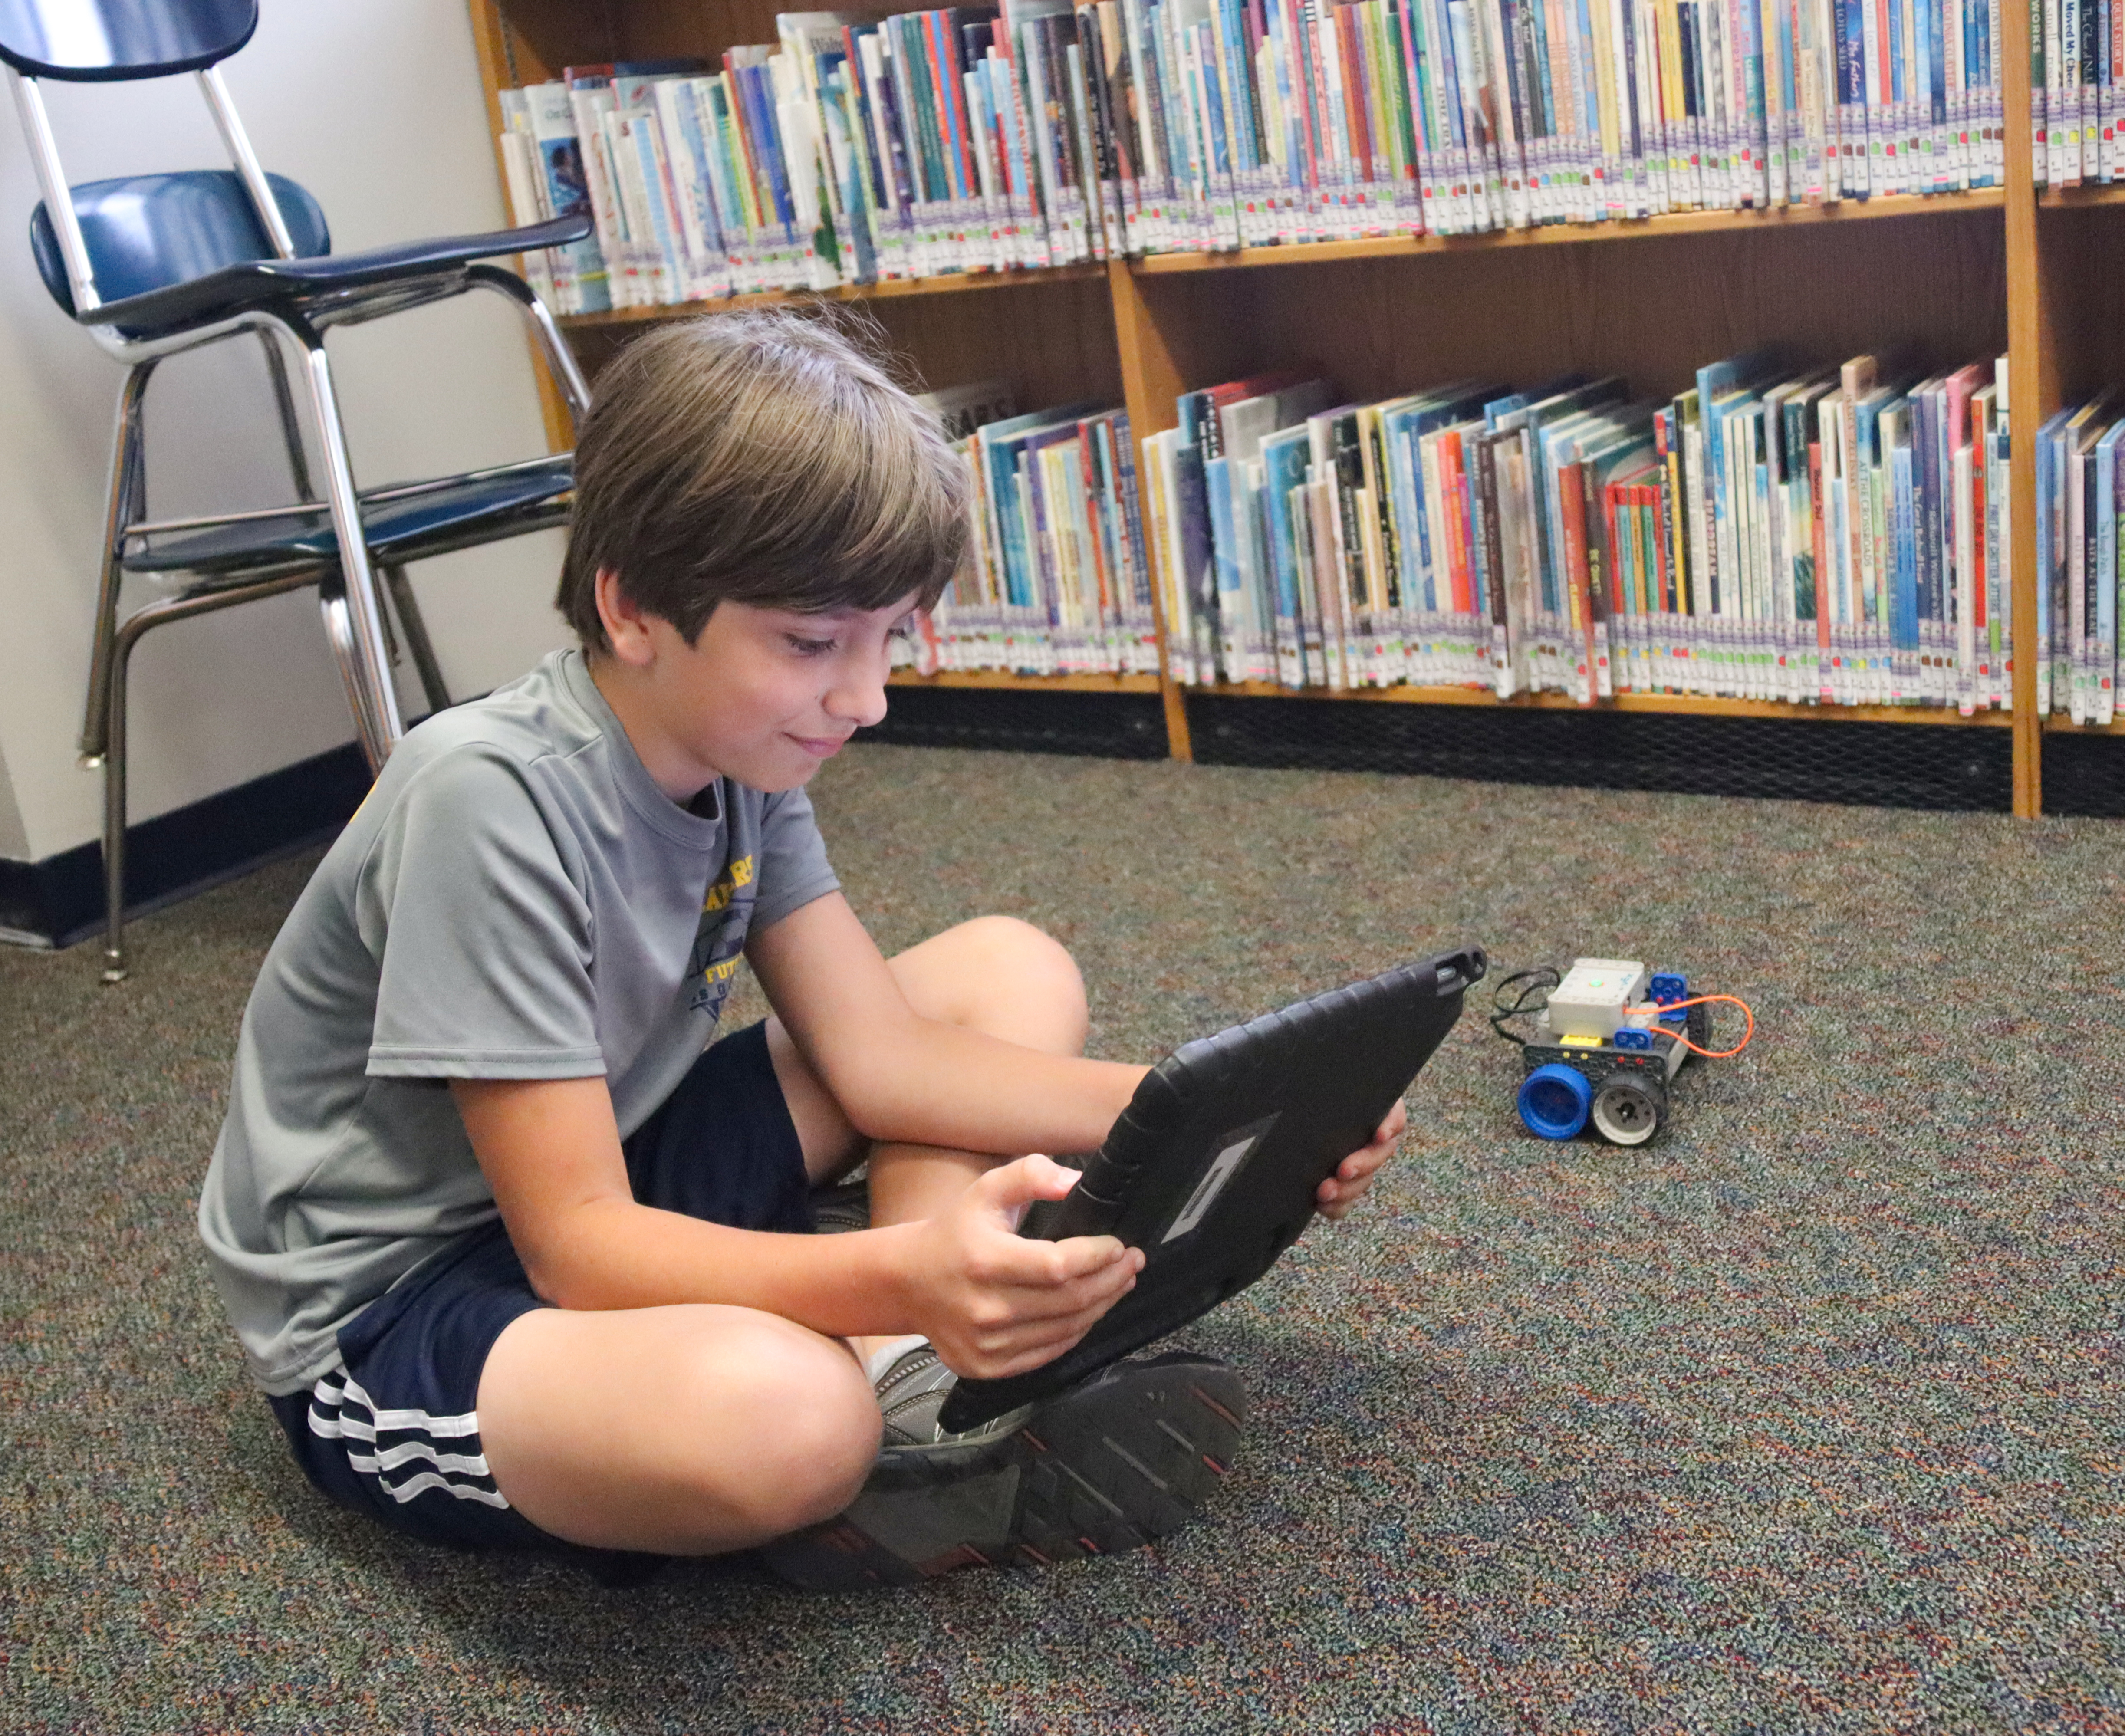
(1213,1168)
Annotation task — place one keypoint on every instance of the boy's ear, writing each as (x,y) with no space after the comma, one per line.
(626,622)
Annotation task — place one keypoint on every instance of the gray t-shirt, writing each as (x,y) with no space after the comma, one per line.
(515,899)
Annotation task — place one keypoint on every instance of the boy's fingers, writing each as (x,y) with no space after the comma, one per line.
(1014,1263)
(1082,1255)
(1095,1290)
(1019,1183)
(1036,1342)
(1042,1300)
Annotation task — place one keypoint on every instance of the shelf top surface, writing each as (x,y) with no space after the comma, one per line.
(1384,247)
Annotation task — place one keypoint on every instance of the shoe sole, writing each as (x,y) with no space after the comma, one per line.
(1103,1469)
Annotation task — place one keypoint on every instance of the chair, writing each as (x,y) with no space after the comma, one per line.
(152,265)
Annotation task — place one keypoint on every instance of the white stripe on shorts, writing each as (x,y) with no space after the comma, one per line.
(340,1410)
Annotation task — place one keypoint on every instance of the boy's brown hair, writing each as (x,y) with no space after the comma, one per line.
(763,458)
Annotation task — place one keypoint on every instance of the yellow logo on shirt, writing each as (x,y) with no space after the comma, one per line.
(719,945)
(738,874)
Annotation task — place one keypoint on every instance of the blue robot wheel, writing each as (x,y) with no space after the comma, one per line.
(1555,1101)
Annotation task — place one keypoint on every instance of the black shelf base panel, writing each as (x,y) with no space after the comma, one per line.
(1870,765)
(2085,775)
(1102,726)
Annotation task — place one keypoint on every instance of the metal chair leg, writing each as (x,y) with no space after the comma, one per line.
(390,634)
(129,498)
(408,608)
(114,804)
(358,636)
(567,375)
(291,427)
(113,732)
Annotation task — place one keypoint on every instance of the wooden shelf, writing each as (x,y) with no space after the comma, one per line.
(1665,704)
(2058,726)
(893,289)
(2073,199)
(1323,252)
(1014,681)
(1678,222)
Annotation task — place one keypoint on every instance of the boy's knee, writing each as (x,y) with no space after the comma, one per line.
(835,1446)
(1033,968)
(815,1430)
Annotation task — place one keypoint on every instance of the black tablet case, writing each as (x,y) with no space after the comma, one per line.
(1213,1168)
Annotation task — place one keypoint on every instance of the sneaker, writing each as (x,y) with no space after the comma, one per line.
(845,1207)
(1119,1460)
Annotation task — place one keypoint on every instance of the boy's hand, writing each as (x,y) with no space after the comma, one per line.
(1354,1175)
(994,1303)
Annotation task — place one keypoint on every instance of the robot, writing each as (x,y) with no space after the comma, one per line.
(1608,1040)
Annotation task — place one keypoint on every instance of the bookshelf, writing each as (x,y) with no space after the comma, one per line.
(1950,276)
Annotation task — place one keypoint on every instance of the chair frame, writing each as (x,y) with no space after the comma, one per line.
(355,621)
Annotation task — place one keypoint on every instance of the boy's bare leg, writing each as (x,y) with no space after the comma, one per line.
(714,1428)
(996,975)
(711,1428)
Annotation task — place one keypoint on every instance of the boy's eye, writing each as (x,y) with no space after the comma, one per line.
(807,647)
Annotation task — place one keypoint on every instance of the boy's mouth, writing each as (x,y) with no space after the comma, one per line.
(823,747)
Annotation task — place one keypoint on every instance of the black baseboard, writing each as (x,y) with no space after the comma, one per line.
(1103,725)
(1872,764)
(59,901)
(2084,775)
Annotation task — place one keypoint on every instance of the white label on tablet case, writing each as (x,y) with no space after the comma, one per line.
(1223,1167)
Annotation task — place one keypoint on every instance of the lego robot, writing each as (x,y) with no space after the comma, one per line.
(1608,1040)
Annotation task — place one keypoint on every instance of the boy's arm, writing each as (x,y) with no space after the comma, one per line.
(899,1076)
(992,1302)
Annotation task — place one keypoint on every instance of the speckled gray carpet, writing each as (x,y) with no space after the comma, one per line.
(1807,1418)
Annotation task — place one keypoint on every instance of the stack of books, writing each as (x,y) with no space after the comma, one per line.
(1834,535)
(856,150)
(1055,580)
(2076,64)
(2078,478)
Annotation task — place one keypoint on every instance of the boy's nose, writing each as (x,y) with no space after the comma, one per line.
(861,699)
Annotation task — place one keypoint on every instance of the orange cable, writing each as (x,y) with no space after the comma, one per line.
(1659,1009)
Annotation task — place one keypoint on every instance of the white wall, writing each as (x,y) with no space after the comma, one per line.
(375,105)
(14,841)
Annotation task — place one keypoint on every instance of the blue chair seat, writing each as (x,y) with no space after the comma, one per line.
(472,509)
(160,243)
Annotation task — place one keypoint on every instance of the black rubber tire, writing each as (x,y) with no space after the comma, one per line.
(1697,1025)
(1628,1109)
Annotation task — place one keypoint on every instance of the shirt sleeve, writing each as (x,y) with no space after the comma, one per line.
(794,869)
(483,937)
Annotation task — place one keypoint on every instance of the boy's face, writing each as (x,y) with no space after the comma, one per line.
(765,696)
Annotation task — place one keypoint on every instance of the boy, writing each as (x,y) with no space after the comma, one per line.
(520,1259)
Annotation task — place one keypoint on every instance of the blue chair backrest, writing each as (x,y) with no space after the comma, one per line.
(147,232)
(96,40)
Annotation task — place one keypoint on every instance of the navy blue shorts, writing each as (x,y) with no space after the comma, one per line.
(394,1433)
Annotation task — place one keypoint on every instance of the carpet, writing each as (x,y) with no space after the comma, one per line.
(1806,1417)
